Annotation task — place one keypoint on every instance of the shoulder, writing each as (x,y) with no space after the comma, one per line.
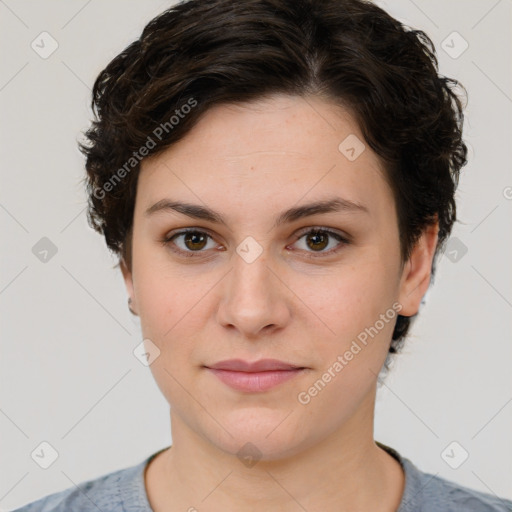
(425,492)
(120,490)
(442,494)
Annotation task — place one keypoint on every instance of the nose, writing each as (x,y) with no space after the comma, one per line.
(254,300)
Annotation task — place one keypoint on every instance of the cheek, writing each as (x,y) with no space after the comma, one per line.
(167,294)
(349,301)
(357,307)
(169,308)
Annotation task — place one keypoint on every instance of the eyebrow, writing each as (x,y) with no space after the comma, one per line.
(336,204)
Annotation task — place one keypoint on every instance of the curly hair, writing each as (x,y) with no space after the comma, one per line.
(200,53)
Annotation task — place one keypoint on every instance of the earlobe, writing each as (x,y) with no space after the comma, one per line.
(417,271)
(128,281)
(130,307)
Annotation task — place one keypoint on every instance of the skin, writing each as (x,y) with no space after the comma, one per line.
(249,163)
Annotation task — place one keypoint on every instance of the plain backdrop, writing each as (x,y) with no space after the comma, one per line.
(68,374)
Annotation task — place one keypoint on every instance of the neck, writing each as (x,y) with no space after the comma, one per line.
(344,471)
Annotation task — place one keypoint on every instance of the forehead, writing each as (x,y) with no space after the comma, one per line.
(279,150)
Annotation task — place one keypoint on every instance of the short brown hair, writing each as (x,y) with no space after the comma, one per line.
(228,51)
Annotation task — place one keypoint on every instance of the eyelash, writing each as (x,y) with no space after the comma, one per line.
(167,241)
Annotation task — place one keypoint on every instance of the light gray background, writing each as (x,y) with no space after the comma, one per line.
(68,375)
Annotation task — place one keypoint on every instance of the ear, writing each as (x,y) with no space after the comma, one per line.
(417,270)
(128,281)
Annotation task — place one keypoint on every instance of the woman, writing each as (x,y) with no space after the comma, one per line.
(277,178)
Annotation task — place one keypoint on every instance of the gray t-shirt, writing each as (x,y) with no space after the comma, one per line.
(124,491)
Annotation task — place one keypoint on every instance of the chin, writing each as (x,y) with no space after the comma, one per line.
(256,436)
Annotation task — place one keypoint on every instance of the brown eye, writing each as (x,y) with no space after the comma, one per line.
(190,242)
(317,240)
(195,240)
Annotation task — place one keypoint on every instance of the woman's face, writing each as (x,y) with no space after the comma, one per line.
(260,285)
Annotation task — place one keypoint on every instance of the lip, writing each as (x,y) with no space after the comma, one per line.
(263,365)
(258,376)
